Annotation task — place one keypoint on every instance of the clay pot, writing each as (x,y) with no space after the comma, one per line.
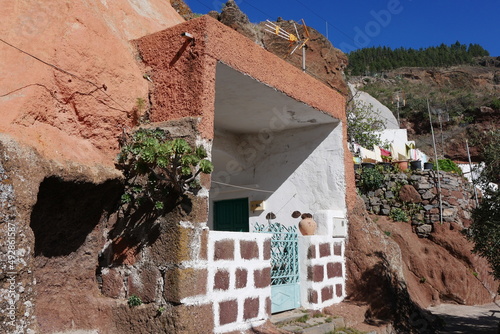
(307,226)
(402,165)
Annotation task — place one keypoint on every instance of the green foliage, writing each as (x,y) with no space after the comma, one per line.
(399,215)
(371,179)
(363,121)
(485,230)
(134,301)
(447,165)
(495,104)
(156,167)
(303,318)
(423,280)
(377,59)
(387,233)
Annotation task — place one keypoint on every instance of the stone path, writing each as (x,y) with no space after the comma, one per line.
(483,319)
(306,322)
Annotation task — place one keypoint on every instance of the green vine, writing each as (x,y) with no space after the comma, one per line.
(157,167)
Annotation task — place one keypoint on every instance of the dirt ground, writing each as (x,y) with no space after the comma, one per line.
(469,319)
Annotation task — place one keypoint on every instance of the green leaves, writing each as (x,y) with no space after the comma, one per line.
(157,166)
(363,124)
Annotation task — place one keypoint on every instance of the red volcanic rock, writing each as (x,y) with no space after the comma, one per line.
(73,101)
(409,194)
(432,270)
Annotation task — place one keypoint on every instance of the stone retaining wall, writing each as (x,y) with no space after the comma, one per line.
(322,271)
(416,193)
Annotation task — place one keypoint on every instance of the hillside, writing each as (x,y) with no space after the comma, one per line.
(466,96)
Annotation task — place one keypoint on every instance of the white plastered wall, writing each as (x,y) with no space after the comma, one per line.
(293,170)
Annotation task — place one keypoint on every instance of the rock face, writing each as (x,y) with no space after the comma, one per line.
(433,260)
(323,61)
(69,84)
(69,81)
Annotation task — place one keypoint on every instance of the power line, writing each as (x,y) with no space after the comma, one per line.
(204,4)
(101,88)
(322,18)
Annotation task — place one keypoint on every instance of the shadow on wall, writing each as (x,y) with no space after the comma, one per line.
(67,211)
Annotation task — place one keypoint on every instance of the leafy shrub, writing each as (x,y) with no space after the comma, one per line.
(371,179)
(495,104)
(157,167)
(364,124)
(134,301)
(398,215)
(447,165)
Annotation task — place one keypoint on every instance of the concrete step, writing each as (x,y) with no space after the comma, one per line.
(300,321)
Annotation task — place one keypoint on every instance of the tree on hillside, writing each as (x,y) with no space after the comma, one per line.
(378,59)
(363,123)
(485,230)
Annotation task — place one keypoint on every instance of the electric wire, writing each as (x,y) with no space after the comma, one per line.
(241,187)
(101,88)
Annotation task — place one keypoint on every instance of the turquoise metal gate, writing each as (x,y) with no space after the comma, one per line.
(285,282)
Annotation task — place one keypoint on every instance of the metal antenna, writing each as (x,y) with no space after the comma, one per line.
(275,29)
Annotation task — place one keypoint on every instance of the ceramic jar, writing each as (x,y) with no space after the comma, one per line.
(307,226)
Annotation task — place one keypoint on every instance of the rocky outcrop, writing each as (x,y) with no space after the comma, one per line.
(434,260)
(323,61)
(69,80)
(70,84)
(376,276)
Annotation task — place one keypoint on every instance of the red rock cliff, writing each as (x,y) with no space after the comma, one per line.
(68,78)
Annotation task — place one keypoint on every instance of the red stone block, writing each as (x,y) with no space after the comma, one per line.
(337,249)
(327,293)
(144,283)
(334,269)
(312,296)
(112,284)
(324,250)
(268,306)
(228,311)
(241,278)
(311,252)
(224,250)
(251,308)
(315,273)
(338,290)
(249,250)
(221,280)
(267,249)
(262,278)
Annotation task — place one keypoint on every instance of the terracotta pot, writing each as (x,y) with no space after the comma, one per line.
(307,226)
(403,165)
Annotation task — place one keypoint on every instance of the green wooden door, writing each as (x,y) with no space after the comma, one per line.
(231,215)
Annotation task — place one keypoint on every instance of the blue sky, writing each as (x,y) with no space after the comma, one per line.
(360,23)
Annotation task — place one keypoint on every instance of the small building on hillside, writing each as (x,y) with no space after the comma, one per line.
(277,139)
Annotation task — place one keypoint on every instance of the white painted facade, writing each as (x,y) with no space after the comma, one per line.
(269,147)
(296,170)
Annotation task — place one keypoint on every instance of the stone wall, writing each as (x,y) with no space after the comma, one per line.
(416,193)
(238,280)
(322,271)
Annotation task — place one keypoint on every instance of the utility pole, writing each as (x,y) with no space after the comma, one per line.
(471,174)
(437,165)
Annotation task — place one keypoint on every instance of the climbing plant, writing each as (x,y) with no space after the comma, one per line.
(158,168)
